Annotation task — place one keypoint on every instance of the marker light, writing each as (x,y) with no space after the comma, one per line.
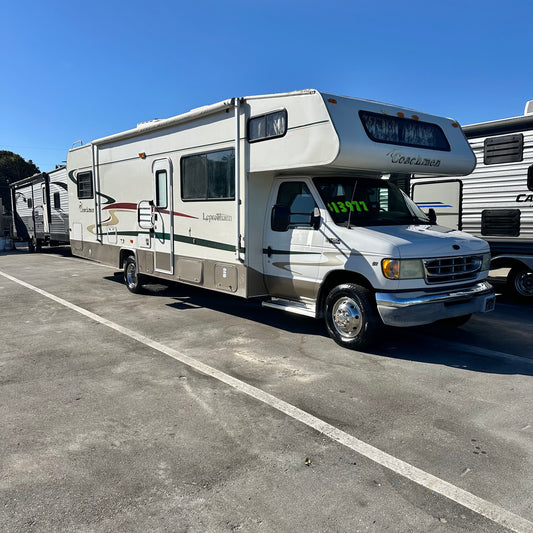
(332,101)
(142,155)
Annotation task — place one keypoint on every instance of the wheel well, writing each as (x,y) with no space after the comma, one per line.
(338,278)
(124,254)
(506,262)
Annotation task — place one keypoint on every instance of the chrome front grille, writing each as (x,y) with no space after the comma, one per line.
(447,269)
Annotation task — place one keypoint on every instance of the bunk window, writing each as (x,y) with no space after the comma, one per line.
(208,176)
(530,178)
(403,131)
(57,201)
(85,185)
(503,149)
(267,126)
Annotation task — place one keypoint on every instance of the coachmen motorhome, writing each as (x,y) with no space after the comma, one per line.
(495,202)
(40,209)
(285,197)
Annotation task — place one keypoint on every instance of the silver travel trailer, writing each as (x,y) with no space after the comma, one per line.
(495,201)
(285,197)
(40,209)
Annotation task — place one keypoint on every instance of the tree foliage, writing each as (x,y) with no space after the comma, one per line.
(13,168)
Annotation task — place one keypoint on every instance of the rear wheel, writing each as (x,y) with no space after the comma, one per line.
(351,317)
(132,278)
(520,283)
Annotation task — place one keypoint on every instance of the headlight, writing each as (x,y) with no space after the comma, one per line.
(402,268)
(486,262)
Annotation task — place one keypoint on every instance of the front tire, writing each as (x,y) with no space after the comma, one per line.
(351,316)
(520,283)
(132,278)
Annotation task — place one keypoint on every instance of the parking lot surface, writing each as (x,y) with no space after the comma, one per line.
(183,410)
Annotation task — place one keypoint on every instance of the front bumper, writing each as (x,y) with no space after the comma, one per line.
(403,310)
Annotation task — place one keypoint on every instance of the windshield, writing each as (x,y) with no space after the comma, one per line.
(367,202)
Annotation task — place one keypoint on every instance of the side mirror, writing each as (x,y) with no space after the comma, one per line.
(315,218)
(432,216)
(280,218)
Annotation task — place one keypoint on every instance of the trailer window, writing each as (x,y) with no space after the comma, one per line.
(503,149)
(403,131)
(30,203)
(267,126)
(208,176)
(530,178)
(85,185)
(57,201)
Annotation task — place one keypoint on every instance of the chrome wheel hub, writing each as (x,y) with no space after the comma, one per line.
(347,317)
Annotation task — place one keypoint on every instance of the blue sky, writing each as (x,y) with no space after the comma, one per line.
(82,70)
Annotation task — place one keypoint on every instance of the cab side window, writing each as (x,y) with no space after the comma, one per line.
(298,198)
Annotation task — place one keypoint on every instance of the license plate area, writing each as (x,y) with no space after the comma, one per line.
(489,304)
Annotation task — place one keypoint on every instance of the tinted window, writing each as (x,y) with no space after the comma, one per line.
(57,201)
(85,185)
(403,131)
(209,176)
(267,126)
(297,197)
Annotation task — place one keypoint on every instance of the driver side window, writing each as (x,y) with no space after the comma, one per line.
(298,198)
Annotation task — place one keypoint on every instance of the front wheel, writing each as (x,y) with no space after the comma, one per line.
(351,317)
(520,283)
(132,278)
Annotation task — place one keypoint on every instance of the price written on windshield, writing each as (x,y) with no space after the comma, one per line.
(344,207)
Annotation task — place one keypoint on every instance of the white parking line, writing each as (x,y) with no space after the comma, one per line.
(468,500)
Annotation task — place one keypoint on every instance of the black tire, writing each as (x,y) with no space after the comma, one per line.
(520,283)
(454,322)
(132,278)
(351,316)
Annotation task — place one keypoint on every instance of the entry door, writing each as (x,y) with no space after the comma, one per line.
(46,210)
(163,216)
(291,258)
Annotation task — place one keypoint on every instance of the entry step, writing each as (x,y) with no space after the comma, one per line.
(298,308)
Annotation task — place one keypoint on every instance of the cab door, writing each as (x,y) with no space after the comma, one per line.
(292,251)
(163,216)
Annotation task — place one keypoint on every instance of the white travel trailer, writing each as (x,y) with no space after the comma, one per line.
(495,201)
(284,197)
(40,209)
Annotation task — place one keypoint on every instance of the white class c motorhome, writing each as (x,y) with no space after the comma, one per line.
(495,201)
(285,197)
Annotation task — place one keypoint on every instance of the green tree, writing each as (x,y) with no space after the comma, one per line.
(13,168)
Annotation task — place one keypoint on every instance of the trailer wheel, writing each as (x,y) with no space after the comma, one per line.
(520,283)
(132,278)
(351,316)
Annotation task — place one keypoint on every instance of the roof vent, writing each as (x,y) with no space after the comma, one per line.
(529,108)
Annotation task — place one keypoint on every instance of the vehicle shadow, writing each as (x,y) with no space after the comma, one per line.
(470,347)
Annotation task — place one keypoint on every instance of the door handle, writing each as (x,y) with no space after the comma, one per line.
(269,251)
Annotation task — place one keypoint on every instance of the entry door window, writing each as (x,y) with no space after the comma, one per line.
(161,199)
(298,198)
